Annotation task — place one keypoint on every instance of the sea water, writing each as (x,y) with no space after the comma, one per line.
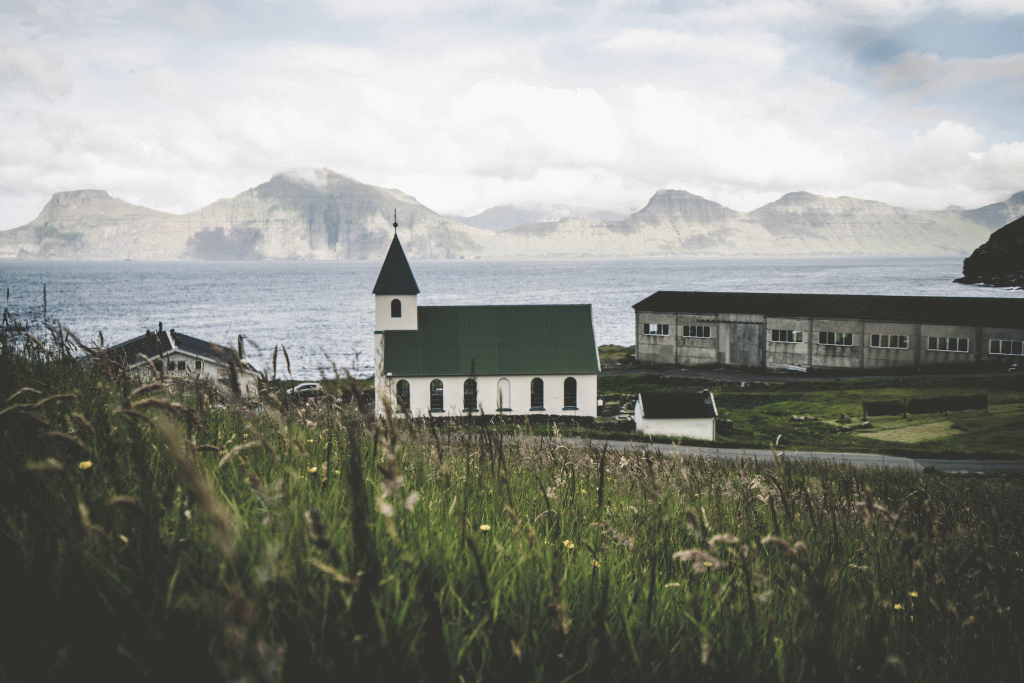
(321,312)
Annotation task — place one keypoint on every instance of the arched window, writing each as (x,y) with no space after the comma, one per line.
(402,392)
(570,392)
(396,308)
(504,395)
(436,396)
(537,394)
(469,395)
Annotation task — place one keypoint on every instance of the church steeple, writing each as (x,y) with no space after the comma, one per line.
(395,291)
(396,276)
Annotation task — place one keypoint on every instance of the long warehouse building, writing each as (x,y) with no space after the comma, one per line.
(777,331)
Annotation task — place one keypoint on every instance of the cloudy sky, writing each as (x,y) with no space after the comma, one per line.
(467,104)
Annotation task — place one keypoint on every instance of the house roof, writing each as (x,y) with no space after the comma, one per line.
(395,275)
(670,405)
(494,340)
(972,311)
(160,343)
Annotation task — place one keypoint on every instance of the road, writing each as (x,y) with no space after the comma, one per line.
(857,459)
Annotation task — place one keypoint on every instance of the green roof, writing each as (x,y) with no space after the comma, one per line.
(395,275)
(494,340)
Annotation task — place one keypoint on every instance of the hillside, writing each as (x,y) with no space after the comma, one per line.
(999,261)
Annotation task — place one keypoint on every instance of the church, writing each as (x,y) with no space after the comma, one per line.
(447,361)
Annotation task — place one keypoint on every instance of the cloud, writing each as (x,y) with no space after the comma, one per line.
(578,121)
(35,68)
(928,76)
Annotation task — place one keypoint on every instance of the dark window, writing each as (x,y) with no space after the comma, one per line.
(403,395)
(890,341)
(199,364)
(181,365)
(788,336)
(695,330)
(835,338)
(1006,347)
(436,396)
(504,395)
(469,395)
(537,394)
(956,344)
(159,365)
(570,392)
(396,308)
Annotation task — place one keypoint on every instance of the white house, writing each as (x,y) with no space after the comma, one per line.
(179,356)
(486,359)
(683,414)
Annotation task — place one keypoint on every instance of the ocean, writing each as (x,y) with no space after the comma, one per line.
(322,311)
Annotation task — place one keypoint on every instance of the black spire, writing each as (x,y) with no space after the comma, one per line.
(395,275)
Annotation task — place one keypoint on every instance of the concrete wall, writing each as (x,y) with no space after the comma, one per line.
(745,340)
(487,395)
(702,428)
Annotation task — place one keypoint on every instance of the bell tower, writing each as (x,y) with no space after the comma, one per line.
(395,291)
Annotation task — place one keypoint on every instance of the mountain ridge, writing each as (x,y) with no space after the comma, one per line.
(324,215)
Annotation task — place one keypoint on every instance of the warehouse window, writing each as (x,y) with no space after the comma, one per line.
(1005,347)
(788,336)
(696,331)
(890,341)
(956,344)
(655,328)
(835,338)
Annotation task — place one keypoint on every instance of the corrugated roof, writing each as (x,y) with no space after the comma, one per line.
(669,405)
(494,340)
(395,275)
(973,311)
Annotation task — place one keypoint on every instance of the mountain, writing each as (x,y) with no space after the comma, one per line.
(1000,260)
(300,214)
(509,216)
(320,214)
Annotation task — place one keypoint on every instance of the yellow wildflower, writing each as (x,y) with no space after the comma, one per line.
(708,563)
(312,470)
(897,606)
(568,544)
(912,594)
(85,464)
(485,527)
(595,563)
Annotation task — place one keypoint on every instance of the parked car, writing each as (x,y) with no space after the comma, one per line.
(306,391)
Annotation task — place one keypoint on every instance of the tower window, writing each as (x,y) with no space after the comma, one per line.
(396,308)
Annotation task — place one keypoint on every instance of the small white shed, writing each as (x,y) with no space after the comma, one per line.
(685,414)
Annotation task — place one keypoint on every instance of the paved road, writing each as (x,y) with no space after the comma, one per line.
(858,459)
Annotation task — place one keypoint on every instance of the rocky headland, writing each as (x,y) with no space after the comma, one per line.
(999,262)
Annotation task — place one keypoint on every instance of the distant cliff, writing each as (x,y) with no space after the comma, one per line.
(999,261)
(323,215)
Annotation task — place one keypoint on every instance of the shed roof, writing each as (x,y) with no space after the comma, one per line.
(494,340)
(973,311)
(395,275)
(667,405)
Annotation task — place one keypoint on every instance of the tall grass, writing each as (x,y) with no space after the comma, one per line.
(144,534)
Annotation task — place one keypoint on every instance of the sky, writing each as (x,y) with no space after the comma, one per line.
(468,104)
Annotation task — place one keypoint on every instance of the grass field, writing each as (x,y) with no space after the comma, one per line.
(155,534)
(762,411)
